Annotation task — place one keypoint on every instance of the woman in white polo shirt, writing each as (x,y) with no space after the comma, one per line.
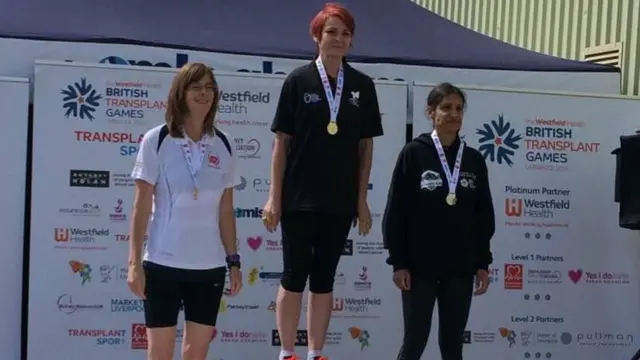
(185,174)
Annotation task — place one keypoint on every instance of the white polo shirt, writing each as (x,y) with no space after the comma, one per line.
(184,232)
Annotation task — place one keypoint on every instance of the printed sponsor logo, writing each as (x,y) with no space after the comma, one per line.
(89,178)
(77,238)
(477,337)
(87,209)
(530,208)
(348,248)
(138,337)
(513,276)
(535,207)
(242,336)
(270,277)
(248,148)
(548,143)
(301,338)
(67,305)
(126,305)
(599,277)
(246,96)
(362,282)
(82,269)
(255,213)
(128,143)
(362,336)
(110,272)
(256,184)
(127,103)
(105,336)
(118,214)
(80,100)
(78,235)
(256,243)
(362,307)
(498,141)
(602,339)
(226,306)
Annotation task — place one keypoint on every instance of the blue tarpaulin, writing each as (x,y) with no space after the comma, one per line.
(387,31)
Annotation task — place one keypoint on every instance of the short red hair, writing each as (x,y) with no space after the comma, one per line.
(331,10)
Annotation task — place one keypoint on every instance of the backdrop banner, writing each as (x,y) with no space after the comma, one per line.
(19,55)
(14,104)
(565,276)
(88,122)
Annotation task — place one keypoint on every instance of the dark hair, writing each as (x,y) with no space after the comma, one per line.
(176,101)
(441,91)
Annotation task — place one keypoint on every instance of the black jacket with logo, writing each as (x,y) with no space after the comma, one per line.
(421,231)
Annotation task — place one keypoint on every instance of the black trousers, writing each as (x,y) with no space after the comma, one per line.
(453,294)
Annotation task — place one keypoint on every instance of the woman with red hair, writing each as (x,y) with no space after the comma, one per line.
(325,122)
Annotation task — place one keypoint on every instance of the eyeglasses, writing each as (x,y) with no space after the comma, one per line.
(200,88)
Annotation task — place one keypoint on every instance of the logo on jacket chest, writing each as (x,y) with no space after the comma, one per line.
(468,180)
(430,180)
(213,161)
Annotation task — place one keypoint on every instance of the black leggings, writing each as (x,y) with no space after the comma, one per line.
(454,295)
(312,244)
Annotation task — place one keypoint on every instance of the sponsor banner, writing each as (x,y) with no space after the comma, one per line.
(14,103)
(88,123)
(557,239)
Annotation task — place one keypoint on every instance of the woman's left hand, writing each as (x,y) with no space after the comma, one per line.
(235,280)
(364,219)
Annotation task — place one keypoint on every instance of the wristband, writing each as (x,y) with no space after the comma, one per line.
(233,260)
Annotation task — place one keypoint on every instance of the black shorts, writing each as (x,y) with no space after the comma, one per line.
(312,244)
(169,290)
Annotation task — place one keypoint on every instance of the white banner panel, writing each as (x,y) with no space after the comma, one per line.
(14,103)
(565,276)
(82,200)
(19,55)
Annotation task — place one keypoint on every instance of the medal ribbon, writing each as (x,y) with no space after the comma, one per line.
(452,179)
(334,102)
(186,151)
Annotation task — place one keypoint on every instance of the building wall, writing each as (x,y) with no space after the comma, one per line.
(563,28)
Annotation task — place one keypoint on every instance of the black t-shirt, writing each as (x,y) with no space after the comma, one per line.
(322,170)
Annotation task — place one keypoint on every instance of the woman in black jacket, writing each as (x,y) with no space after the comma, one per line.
(437,225)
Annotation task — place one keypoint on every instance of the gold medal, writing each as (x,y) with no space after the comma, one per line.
(195,194)
(451,199)
(332,128)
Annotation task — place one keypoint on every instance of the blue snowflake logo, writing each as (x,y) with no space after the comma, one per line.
(80,100)
(498,141)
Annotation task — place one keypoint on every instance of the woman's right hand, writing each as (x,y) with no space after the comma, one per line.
(271,214)
(136,280)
